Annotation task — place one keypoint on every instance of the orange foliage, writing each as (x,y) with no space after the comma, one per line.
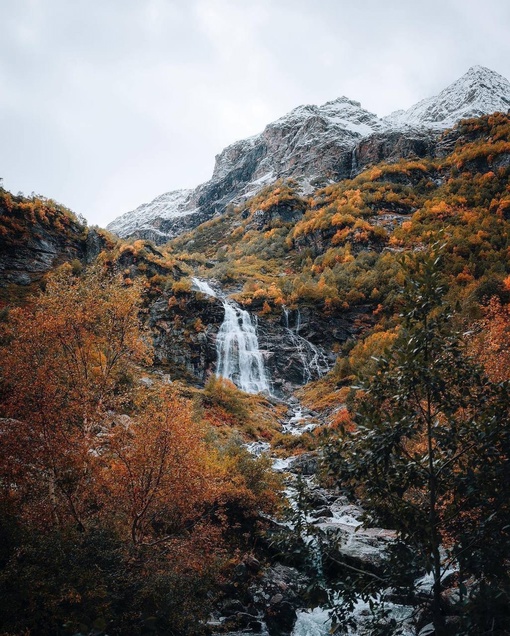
(155,474)
(62,372)
(85,444)
(491,346)
(342,420)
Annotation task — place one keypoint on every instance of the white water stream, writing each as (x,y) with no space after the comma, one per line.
(344,516)
(314,361)
(239,357)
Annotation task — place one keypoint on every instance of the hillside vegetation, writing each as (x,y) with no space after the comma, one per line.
(340,247)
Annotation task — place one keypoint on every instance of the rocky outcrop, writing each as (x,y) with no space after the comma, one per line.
(26,257)
(184,334)
(393,145)
(286,212)
(316,145)
(297,343)
(280,591)
(36,235)
(30,247)
(27,263)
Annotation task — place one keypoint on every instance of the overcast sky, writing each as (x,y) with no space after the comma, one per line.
(105,104)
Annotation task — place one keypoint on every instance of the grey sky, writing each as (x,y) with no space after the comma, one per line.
(105,104)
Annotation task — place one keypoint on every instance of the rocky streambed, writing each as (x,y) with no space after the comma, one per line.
(293,592)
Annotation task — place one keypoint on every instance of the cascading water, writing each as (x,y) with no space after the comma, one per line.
(239,357)
(314,362)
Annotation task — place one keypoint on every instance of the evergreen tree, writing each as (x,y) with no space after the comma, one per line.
(429,457)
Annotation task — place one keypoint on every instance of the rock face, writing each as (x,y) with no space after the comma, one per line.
(32,249)
(391,146)
(293,345)
(316,145)
(37,235)
(184,334)
(25,264)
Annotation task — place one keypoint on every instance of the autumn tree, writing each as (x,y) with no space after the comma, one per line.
(114,512)
(159,478)
(491,342)
(66,362)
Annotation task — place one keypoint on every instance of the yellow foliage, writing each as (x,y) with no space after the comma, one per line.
(361,358)
(182,286)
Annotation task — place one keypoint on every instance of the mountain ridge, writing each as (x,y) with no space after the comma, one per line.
(315,145)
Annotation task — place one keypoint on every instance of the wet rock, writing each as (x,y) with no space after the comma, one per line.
(232,606)
(305,464)
(342,509)
(278,593)
(318,498)
(322,513)
(364,549)
(242,620)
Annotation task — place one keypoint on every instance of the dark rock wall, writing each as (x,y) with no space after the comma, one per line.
(392,146)
(185,328)
(25,260)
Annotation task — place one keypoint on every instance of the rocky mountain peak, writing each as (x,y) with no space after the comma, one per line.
(342,113)
(480,91)
(315,145)
(343,100)
(483,74)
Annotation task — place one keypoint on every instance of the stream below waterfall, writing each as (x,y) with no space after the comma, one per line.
(332,516)
(329,518)
(332,521)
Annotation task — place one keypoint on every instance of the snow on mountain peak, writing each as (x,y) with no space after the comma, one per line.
(341,112)
(313,144)
(480,91)
(167,205)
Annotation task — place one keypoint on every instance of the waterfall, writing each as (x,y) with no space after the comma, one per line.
(204,287)
(239,357)
(314,362)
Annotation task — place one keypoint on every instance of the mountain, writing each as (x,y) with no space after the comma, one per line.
(316,145)
(309,143)
(479,92)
